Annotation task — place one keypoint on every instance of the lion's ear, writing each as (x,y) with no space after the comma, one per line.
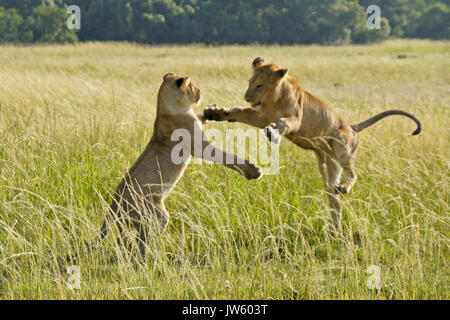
(170,74)
(282,72)
(182,82)
(258,62)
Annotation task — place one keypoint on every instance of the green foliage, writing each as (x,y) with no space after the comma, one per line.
(434,23)
(401,14)
(36,24)
(10,25)
(224,22)
(49,25)
(106,20)
(365,35)
(23,7)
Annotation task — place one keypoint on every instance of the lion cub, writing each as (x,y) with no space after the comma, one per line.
(139,198)
(278,102)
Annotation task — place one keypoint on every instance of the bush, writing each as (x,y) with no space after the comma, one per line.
(49,25)
(223,22)
(13,28)
(434,23)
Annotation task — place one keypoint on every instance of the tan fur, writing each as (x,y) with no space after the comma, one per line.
(280,103)
(139,198)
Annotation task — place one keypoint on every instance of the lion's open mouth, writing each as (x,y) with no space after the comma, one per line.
(256,104)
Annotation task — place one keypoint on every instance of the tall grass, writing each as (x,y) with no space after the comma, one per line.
(73,118)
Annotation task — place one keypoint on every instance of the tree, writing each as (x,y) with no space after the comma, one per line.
(434,23)
(366,35)
(224,21)
(106,20)
(10,24)
(23,7)
(400,13)
(309,21)
(49,25)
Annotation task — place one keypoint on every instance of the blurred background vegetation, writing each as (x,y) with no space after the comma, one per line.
(222,21)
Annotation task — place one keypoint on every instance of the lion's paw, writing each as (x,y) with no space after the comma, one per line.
(213,113)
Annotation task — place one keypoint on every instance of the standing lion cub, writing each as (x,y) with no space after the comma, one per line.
(278,102)
(139,198)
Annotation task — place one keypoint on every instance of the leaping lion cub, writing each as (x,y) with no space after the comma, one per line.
(139,198)
(278,101)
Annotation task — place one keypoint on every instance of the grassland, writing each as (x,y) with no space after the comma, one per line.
(74,118)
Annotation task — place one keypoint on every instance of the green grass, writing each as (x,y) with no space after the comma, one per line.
(73,119)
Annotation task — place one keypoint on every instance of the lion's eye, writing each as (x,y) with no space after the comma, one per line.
(258,87)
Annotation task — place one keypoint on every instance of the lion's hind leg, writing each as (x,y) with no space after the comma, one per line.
(153,222)
(330,172)
(344,148)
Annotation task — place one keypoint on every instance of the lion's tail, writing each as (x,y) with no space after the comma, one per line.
(367,123)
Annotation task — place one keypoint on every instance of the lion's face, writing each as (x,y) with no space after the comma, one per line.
(189,89)
(179,91)
(265,79)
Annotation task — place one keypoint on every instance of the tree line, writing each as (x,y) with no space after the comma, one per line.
(222,21)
